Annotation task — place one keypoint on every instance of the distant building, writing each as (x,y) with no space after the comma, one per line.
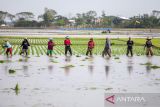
(156,13)
(72,22)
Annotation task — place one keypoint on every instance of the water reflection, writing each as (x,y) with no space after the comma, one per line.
(130,69)
(25,70)
(25,59)
(6,68)
(130,65)
(50,68)
(91,69)
(67,70)
(68,58)
(148,67)
(107,68)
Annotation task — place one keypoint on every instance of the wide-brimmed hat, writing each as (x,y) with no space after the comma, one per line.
(148,38)
(50,38)
(67,37)
(6,39)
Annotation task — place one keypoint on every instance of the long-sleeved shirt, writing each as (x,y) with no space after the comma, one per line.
(7,45)
(25,44)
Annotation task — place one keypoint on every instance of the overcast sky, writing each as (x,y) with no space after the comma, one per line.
(125,8)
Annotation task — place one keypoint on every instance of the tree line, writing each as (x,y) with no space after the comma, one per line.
(89,19)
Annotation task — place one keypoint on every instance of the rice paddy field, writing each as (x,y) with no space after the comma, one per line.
(79,46)
(78,80)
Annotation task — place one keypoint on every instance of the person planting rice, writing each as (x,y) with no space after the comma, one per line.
(25,44)
(130,44)
(51,44)
(67,43)
(149,46)
(91,45)
(8,47)
(107,48)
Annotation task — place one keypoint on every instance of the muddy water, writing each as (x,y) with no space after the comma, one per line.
(74,81)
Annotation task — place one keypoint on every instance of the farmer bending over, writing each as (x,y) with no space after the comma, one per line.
(8,47)
(25,44)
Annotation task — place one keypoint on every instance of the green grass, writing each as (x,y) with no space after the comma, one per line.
(79,46)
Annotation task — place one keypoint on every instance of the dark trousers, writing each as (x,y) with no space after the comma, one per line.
(106,51)
(68,48)
(129,50)
(89,51)
(24,51)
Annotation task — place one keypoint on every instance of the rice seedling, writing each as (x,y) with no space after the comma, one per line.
(2,61)
(147,64)
(11,71)
(79,46)
(68,66)
(155,67)
(17,89)
(151,65)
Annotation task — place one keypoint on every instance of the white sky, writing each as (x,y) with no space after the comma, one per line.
(68,8)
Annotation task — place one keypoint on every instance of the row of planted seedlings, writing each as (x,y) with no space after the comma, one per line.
(39,46)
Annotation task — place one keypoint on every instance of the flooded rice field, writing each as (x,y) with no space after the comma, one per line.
(76,81)
(116,33)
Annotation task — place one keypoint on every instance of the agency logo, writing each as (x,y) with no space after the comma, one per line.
(125,99)
(111,99)
(132,99)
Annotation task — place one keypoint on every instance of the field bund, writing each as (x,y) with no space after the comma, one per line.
(116,33)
